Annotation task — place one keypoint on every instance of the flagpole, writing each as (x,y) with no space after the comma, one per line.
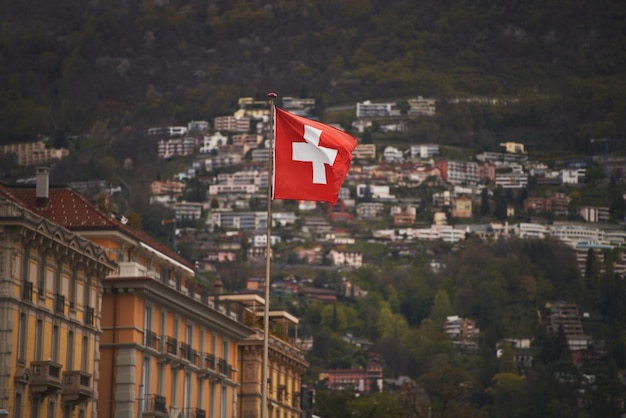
(268,259)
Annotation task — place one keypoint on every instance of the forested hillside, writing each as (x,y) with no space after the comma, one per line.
(94,75)
(109,69)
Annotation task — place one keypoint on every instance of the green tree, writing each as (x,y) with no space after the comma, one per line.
(445,384)
(374,405)
(509,395)
(507,360)
(485,210)
(500,205)
(442,308)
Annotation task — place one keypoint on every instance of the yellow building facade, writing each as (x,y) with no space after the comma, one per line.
(168,349)
(285,366)
(169,346)
(50,298)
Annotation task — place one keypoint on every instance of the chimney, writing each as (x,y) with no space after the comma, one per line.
(218,286)
(43,187)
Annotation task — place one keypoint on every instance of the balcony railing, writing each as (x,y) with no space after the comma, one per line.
(194,413)
(171,345)
(151,339)
(27,291)
(46,377)
(59,304)
(134,269)
(89,315)
(77,386)
(155,406)
(209,361)
(224,368)
(186,352)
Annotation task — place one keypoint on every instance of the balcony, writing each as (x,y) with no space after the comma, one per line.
(208,365)
(224,368)
(77,388)
(27,291)
(151,340)
(209,361)
(46,377)
(89,315)
(134,269)
(59,304)
(186,353)
(194,413)
(195,360)
(155,407)
(171,346)
(169,350)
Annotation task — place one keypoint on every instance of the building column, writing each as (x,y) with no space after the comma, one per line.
(6,321)
(125,382)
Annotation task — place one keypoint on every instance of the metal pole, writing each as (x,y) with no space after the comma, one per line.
(268,259)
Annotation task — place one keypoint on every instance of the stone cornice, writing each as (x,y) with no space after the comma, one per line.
(177,302)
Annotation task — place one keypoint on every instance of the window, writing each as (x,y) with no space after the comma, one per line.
(17,409)
(69,363)
(161,378)
(55,343)
(87,291)
(34,408)
(21,339)
(225,349)
(224,402)
(212,405)
(52,406)
(65,285)
(190,336)
(163,323)
(174,387)
(200,385)
(57,277)
(73,284)
(85,355)
(145,377)
(39,342)
(41,279)
(147,328)
(147,321)
(187,391)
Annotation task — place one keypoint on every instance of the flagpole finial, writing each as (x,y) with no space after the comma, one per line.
(271,95)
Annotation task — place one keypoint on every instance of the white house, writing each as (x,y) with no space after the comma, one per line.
(346,258)
(213,142)
(393,155)
(260,240)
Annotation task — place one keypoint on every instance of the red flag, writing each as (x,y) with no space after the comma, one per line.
(311,159)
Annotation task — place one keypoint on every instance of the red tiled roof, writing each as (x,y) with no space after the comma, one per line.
(73,211)
(66,207)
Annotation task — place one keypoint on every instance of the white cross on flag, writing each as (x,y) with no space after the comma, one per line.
(311,159)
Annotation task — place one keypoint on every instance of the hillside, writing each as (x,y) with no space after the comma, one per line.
(107,70)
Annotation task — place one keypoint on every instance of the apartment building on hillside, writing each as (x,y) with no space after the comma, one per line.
(359,381)
(33,153)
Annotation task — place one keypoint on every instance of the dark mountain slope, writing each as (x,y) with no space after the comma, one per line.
(66,64)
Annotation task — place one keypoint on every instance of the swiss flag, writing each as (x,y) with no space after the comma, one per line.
(311,159)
